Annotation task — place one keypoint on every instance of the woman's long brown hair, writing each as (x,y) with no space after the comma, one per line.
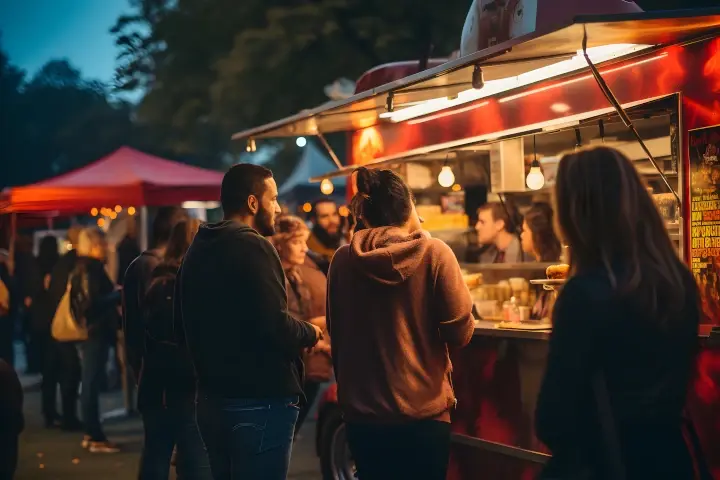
(610,222)
(181,236)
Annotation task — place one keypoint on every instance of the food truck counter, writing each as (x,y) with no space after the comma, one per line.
(497,380)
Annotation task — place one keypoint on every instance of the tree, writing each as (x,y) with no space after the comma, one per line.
(255,61)
(11,80)
(55,122)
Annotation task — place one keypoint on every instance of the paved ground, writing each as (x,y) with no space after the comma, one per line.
(57,455)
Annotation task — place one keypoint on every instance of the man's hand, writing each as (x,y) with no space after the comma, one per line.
(318,332)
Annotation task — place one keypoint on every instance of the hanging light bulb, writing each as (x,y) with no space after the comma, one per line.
(326,186)
(446,178)
(535,179)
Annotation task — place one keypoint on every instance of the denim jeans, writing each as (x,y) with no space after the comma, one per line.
(166,427)
(248,439)
(94,355)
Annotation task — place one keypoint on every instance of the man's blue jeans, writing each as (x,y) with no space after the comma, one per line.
(166,427)
(248,439)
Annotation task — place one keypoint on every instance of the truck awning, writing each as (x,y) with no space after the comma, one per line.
(511,58)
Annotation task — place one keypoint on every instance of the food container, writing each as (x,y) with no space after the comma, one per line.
(487,309)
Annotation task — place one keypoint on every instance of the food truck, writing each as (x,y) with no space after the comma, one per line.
(490,126)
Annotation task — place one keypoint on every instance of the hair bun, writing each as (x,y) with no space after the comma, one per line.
(367,180)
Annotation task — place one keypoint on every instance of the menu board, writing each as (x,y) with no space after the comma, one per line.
(705,216)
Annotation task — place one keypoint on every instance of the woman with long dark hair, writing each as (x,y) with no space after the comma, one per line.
(166,391)
(391,353)
(625,330)
(538,234)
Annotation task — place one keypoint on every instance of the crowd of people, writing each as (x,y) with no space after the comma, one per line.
(231,327)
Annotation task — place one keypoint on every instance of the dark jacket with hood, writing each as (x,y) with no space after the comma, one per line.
(391,356)
(231,297)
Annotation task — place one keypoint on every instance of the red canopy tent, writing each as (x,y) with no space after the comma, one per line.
(126,177)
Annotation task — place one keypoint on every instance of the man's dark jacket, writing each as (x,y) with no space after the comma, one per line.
(231,297)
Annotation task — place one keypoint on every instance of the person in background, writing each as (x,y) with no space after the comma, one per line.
(167,381)
(327,235)
(497,229)
(538,237)
(306,290)
(391,356)
(128,249)
(41,316)
(244,345)
(540,243)
(625,331)
(137,278)
(67,356)
(11,419)
(26,279)
(8,300)
(94,299)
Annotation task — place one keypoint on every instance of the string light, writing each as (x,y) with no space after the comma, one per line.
(307,208)
(118,209)
(101,222)
(94,212)
(326,186)
(131,211)
(343,211)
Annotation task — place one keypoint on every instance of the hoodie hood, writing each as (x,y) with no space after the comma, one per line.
(210,231)
(388,254)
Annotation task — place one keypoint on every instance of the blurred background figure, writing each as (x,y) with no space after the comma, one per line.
(11,419)
(326,235)
(95,299)
(7,325)
(66,353)
(167,382)
(306,289)
(538,234)
(128,249)
(26,278)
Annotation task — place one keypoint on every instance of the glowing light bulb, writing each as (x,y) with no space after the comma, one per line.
(326,186)
(131,211)
(301,142)
(307,208)
(535,178)
(446,177)
(118,209)
(94,212)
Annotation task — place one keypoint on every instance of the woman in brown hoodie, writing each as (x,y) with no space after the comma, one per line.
(391,355)
(306,287)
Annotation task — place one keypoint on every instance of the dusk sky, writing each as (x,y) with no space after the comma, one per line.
(35,31)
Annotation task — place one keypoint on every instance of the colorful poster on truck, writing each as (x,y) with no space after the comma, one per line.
(704,173)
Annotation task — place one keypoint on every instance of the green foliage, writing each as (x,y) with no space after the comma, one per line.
(54,122)
(222,65)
